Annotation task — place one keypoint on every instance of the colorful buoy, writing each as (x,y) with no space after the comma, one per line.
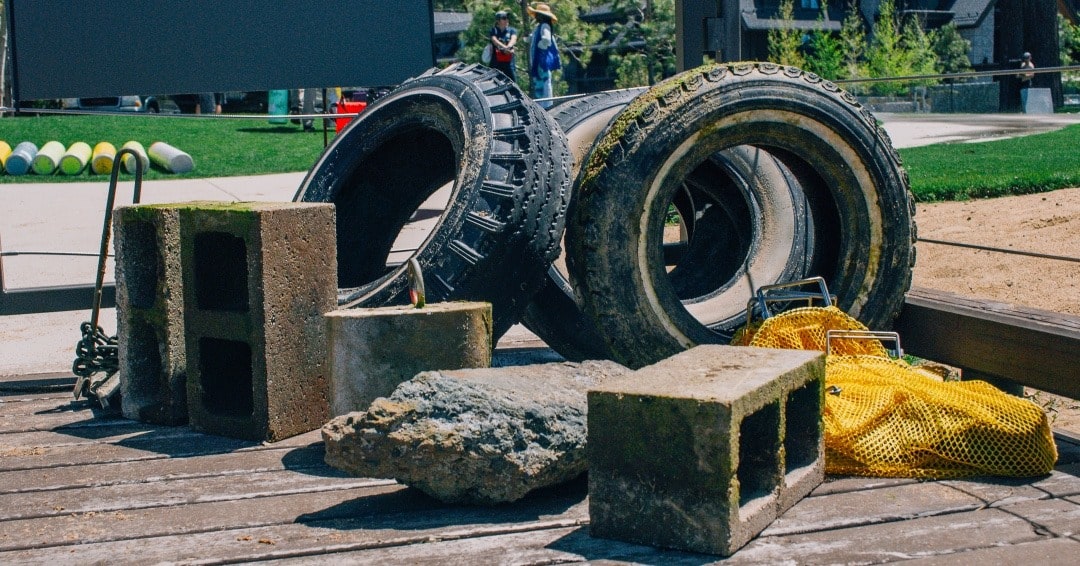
(102,160)
(48,158)
(129,160)
(75,158)
(5,151)
(170,158)
(18,163)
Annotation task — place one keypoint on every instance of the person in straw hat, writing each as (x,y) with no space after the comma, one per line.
(543,52)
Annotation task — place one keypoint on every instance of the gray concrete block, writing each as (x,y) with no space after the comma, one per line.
(150,314)
(374,350)
(703,450)
(258,278)
(1037,101)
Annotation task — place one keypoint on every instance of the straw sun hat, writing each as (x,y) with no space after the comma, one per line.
(543,10)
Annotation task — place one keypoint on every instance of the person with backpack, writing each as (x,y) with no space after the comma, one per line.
(543,53)
(503,38)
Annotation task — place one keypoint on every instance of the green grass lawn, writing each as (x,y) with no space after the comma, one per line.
(229,147)
(219,147)
(1015,166)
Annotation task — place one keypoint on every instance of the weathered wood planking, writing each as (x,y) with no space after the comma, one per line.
(77,488)
(1040,349)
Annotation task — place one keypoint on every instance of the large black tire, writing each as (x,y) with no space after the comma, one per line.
(553,313)
(509,167)
(753,227)
(862,210)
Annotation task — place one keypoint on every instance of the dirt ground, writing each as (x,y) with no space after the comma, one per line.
(1046,223)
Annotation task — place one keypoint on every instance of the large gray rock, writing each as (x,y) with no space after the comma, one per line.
(483,436)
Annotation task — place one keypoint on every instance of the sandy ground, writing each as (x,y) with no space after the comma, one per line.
(1046,223)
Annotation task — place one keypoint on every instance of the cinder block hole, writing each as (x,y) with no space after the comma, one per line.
(759,453)
(146,384)
(221,278)
(803,426)
(225,377)
(142,264)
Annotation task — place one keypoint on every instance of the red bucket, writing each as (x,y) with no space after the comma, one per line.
(347,107)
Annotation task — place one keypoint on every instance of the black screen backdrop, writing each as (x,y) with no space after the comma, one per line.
(83,48)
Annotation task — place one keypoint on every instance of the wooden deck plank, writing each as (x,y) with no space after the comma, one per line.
(10,401)
(996,492)
(56,418)
(25,451)
(97,475)
(1060,517)
(1052,552)
(126,496)
(893,541)
(138,525)
(385,516)
(844,510)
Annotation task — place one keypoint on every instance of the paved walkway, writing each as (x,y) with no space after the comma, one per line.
(67,217)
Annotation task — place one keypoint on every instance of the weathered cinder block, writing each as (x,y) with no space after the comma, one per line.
(373,350)
(150,314)
(258,278)
(703,450)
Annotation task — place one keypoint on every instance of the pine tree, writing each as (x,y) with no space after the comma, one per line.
(1069,41)
(826,55)
(785,41)
(852,43)
(951,50)
(884,56)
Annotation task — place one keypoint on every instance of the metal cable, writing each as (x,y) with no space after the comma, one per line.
(1002,250)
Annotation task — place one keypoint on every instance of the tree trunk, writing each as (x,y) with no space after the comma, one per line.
(1034,18)
(1041,39)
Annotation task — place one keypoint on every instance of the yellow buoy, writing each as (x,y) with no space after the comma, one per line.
(5,151)
(103,156)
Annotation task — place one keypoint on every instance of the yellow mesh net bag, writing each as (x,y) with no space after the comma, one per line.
(885,418)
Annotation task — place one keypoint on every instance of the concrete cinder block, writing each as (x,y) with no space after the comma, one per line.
(374,350)
(702,451)
(258,278)
(150,314)
(1036,101)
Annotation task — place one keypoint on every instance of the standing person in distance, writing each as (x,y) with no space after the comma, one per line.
(1026,64)
(543,52)
(503,39)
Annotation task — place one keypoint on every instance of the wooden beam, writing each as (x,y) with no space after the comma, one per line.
(1036,348)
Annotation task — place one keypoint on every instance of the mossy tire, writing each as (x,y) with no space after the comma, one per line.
(856,192)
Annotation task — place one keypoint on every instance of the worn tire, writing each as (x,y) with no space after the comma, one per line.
(509,167)
(857,192)
(753,227)
(553,313)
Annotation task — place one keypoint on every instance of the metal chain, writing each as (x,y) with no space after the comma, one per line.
(98,352)
(95,353)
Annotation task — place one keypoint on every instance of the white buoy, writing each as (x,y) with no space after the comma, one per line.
(170,158)
(129,160)
(75,158)
(48,158)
